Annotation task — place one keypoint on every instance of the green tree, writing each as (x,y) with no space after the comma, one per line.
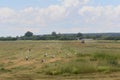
(54,34)
(79,35)
(28,34)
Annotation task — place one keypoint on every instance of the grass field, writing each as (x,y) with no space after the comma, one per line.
(65,60)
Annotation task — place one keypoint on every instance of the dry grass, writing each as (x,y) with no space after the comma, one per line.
(94,60)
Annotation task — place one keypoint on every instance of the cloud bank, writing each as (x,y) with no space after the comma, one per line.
(65,11)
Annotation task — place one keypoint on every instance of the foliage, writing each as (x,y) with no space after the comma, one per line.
(28,34)
(8,38)
(79,35)
(54,36)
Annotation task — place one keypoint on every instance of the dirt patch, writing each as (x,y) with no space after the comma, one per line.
(20,62)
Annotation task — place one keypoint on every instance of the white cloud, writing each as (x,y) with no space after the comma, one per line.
(40,16)
(109,14)
(73,3)
(60,14)
(70,3)
(6,12)
(32,15)
(54,12)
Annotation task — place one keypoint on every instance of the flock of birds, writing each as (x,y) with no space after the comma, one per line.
(45,55)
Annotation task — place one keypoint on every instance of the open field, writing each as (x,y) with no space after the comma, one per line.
(60,60)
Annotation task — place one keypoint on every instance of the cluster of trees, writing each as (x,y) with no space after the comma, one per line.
(103,36)
(54,36)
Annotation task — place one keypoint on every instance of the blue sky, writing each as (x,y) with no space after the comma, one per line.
(105,2)
(62,16)
(21,4)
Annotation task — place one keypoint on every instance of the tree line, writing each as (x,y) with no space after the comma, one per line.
(53,36)
(73,36)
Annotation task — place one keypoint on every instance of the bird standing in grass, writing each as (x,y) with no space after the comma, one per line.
(26,58)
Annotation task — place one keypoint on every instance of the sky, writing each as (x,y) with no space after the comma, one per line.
(61,16)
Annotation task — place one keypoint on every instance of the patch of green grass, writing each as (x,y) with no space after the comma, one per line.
(22,68)
(82,54)
(3,70)
(105,56)
(71,67)
(111,59)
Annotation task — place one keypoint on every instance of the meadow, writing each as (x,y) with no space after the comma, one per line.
(60,60)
